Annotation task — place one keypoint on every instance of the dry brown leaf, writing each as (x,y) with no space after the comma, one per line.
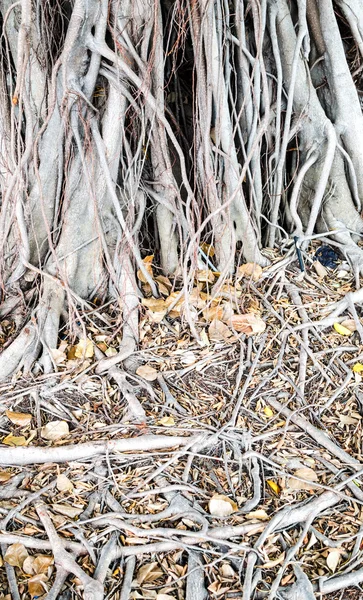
(5,476)
(221,506)
(205,275)
(28,565)
(227,571)
(304,473)
(67,510)
(249,324)
(147,372)
(251,270)
(220,332)
(59,357)
(347,420)
(349,324)
(64,484)
(18,418)
(15,555)
(36,585)
(148,267)
(167,422)
(14,440)
(320,269)
(273,563)
(42,562)
(260,515)
(164,597)
(55,430)
(148,572)
(333,559)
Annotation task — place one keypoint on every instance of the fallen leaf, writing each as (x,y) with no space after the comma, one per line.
(5,476)
(42,562)
(205,276)
(148,267)
(147,372)
(320,269)
(349,324)
(305,473)
(207,249)
(227,571)
(358,368)
(164,597)
(268,411)
(64,484)
(312,541)
(18,418)
(273,486)
(222,506)
(333,559)
(341,329)
(54,430)
(347,420)
(251,270)
(188,358)
(59,357)
(249,324)
(148,572)
(220,332)
(15,555)
(28,565)
(204,338)
(167,422)
(84,348)
(67,510)
(111,351)
(260,514)
(273,563)
(14,440)
(36,585)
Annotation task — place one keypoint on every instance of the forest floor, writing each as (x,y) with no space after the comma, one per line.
(244,472)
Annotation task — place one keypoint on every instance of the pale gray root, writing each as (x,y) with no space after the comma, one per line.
(129,570)
(195,589)
(93,589)
(332,202)
(14,356)
(37,455)
(302,589)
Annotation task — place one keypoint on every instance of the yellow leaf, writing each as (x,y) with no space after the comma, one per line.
(15,555)
(341,329)
(358,368)
(167,422)
(273,486)
(13,440)
(18,418)
(221,506)
(147,372)
(84,348)
(268,411)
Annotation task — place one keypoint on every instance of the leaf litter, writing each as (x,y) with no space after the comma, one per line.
(280,476)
